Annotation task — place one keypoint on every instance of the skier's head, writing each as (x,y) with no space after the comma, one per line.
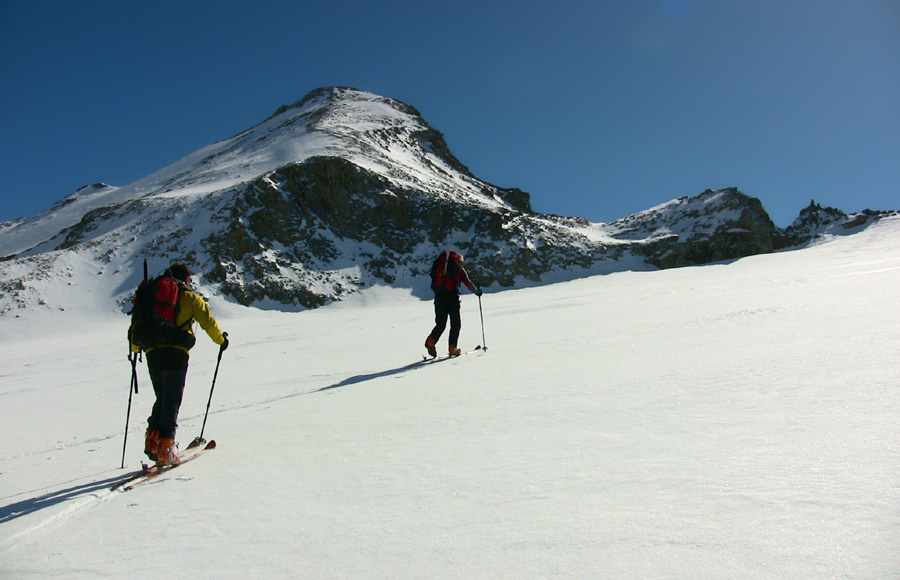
(180,272)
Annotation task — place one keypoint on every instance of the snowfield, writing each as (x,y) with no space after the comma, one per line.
(736,420)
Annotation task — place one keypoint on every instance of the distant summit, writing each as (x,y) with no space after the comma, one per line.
(816,220)
(344,190)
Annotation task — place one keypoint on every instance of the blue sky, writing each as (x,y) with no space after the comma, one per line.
(598,109)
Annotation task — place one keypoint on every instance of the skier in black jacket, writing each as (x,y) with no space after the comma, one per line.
(447,272)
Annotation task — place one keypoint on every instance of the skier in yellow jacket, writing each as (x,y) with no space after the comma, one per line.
(168,364)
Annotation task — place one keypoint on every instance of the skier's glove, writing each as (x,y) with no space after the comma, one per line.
(224,344)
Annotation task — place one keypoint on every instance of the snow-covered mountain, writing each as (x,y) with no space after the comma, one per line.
(341,191)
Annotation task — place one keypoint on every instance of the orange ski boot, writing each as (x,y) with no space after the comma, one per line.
(431,346)
(151,443)
(165,453)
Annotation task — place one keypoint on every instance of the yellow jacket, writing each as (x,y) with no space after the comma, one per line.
(191,307)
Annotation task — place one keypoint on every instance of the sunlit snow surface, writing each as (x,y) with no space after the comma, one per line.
(736,420)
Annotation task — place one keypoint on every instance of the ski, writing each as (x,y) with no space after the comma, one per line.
(151,472)
(430,359)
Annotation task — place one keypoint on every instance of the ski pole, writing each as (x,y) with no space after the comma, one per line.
(132,390)
(481,312)
(200,440)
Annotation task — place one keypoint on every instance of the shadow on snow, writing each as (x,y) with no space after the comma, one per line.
(29,506)
(381,374)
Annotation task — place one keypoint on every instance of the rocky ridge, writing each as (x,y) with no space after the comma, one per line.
(344,190)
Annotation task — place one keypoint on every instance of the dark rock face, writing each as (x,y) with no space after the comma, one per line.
(315,218)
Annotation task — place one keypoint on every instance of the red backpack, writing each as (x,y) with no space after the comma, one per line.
(445,272)
(153,315)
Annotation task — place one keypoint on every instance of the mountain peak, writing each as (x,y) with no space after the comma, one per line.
(341,191)
(336,96)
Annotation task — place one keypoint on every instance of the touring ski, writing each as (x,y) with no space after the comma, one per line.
(151,472)
(428,359)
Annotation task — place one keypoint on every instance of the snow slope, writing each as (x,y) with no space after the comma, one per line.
(736,420)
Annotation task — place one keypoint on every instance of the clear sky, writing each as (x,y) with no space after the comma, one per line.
(597,108)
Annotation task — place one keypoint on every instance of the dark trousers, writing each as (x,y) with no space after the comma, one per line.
(168,371)
(446,305)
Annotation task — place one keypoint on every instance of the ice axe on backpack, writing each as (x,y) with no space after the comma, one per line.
(200,440)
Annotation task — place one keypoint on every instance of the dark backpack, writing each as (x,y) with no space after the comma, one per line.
(153,316)
(445,272)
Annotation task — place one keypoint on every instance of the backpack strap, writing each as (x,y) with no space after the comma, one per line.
(187,323)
